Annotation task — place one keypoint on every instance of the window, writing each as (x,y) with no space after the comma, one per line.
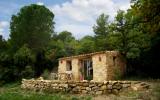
(114,60)
(69,65)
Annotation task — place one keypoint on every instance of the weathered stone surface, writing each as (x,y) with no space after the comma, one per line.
(84,92)
(99,92)
(91,85)
(109,87)
(82,87)
(104,64)
(104,87)
(126,85)
(95,88)
(85,84)
(88,88)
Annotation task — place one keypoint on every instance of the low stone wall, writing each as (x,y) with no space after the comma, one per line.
(84,87)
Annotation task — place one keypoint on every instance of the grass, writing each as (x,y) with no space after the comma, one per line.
(14,92)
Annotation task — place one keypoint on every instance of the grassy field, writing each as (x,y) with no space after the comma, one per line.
(14,92)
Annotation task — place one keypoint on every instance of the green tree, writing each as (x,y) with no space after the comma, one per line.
(33,26)
(126,37)
(24,60)
(3,44)
(86,45)
(101,32)
(61,45)
(101,27)
(147,16)
(65,36)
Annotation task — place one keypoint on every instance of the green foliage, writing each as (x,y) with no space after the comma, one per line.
(24,59)
(127,38)
(28,72)
(24,56)
(86,45)
(101,31)
(33,26)
(117,73)
(46,74)
(3,44)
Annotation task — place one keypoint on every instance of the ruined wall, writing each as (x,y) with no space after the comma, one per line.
(84,87)
(99,67)
(115,65)
(62,66)
(109,65)
(75,69)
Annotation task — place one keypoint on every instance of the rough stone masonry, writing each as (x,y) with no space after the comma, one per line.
(83,87)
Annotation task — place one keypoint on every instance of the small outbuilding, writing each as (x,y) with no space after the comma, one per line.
(98,66)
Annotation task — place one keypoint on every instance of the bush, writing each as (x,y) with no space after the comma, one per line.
(46,74)
(28,72)
(117,73)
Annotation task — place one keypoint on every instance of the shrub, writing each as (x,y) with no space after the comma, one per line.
(117,73)
(46,74)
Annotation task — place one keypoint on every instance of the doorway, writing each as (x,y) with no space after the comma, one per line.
(87,69)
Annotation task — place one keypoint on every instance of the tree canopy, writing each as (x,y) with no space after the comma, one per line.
(33,26)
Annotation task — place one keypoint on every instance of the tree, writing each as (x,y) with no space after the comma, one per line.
(33,26)
(60,45)
(102,25)
(3,44)
(101,32)
(24,60)
(127,38)
(86,45)
(65,36)
(148,18)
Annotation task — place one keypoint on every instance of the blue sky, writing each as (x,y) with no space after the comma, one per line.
(76,16)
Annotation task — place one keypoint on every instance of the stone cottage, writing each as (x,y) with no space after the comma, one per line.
(98,66)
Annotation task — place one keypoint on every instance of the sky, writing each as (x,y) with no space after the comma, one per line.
(75,16)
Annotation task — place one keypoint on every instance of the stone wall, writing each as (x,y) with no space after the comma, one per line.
(107,65)
(62,66)
(116,65)
(99,67)
(75,69)
(85,87)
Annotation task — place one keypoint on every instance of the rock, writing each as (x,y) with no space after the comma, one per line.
(40,78)
(83,88)
(54,85)
(84,81)
(134,88)
(92,92)
(91,85)
(140,86)
(103,87)
(109,87)
(99,92)
(84,92)
(86,84)
(75,90)
(100,84)
(95,88)
(117,86)
(115,91)
(64,85)
(72,85)
(105,82)
(88,88)
(126,85)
